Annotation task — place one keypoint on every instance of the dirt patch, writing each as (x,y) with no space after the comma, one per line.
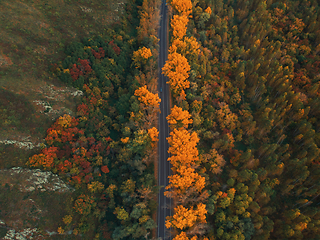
(31,203)
(4,60)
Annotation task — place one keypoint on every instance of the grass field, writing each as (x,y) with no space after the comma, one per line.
(33,34)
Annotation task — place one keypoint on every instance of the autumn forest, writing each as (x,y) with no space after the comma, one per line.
(244,140)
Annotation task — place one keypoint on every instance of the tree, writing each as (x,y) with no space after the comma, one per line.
(183,148)
(185,178)
(141,56)
(179,118)
(153,133)
(188,47)
(184,217)
(179,25)
(147,98)
(176,69)
(183,7)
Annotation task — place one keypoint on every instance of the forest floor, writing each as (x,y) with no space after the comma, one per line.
(33,35)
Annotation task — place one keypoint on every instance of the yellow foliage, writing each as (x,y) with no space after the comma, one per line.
(226,118)
(176,69)
(65,120)
(143,219)
(67,219)
(143,53)
(146,97)
(95,186)
(179,25)
(183,7)
(179,118)
(187,47)
(184,217)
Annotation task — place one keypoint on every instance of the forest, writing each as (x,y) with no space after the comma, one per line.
(244,140)
(244,78)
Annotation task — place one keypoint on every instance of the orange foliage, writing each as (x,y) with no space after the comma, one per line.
(179,118)
(187,47)
(186,178)
(183,148)
(179,25)
(176,69)
(153,133)
(44,159)
(146,97)
(183,7)
(65,121)
(208,10)
(183,236)
(83,204)
(105,169)
(184,217)
(142,53)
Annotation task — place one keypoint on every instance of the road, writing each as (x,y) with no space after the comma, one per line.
(164,169)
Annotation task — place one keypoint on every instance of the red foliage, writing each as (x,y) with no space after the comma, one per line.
(75,72)
(224,195)
(88,177)
(67,164)
(225,131)
(115,48)
(50,152)
(108,139)
(85,164)
(99,54)
(76,179)
(83,109)
(80,70)
(105,169)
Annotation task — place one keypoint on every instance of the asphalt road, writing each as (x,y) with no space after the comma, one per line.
(164,169)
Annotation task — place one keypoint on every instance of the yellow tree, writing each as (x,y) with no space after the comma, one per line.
(153,133)
(176,69)
(183,236)
(186,178)
(183,7)
(184,217)
(188,47)
(179,118)
(226,118)
(183,148)
(141,56)
(179,25)
(146,97)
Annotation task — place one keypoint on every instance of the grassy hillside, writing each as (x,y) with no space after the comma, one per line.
(33,35)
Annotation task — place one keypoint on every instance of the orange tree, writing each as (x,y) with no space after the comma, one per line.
(177,70)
